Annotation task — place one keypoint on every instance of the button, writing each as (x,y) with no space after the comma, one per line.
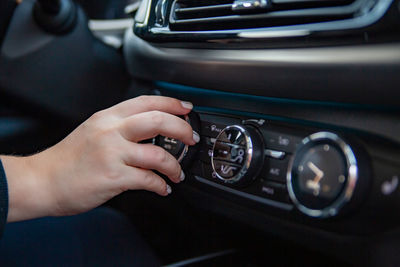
(274,191)
(212,125)
(274,154)
(275,140)
(275,170)
(388,179)
(385,193)
(211,129)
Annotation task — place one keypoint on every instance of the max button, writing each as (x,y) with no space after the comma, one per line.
(274,191)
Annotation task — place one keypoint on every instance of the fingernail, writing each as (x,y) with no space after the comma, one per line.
(169,189)
(182,177)
(196,137)
(187,105)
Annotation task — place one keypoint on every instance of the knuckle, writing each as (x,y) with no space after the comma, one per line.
(99,115)
(156,117)
(160,155)
(101,124)
(149,180)
(145,99)
(177,170)
(188,130)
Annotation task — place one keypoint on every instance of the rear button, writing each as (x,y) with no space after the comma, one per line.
(280,142)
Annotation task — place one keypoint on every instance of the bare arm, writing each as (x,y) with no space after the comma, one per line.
(99,160)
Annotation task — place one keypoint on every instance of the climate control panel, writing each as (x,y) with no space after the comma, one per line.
(302,171)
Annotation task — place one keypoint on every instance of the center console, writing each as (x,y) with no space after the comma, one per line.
(331,179)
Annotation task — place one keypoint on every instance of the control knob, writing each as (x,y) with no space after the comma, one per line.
(182,152)
(323,175)
(238,154)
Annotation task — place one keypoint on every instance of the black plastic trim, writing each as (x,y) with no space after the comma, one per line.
(266,201)
(362,74)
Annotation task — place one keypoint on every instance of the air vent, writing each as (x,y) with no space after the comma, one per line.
(205,15)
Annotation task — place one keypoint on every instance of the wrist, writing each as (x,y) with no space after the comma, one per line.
(30,195)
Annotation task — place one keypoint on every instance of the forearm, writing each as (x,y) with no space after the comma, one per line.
(100,159)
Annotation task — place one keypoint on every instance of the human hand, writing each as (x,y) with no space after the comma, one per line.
(99,160)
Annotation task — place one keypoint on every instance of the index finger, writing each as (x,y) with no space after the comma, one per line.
(150,103)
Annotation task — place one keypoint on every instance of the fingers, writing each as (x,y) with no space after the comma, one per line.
(148,156)
(150,124)
(149,103)
(140,179)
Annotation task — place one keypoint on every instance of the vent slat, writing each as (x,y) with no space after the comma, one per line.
(204,11)
(203,8)
(275,15)
(203,15)
(306,1)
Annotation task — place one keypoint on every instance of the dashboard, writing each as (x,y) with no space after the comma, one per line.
(296,103)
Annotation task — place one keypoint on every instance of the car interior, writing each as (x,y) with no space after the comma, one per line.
(296,103)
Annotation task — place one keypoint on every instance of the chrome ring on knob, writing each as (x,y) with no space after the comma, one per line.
(248,152)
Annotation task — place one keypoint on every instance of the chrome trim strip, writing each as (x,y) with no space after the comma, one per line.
(266,201)
(201,258)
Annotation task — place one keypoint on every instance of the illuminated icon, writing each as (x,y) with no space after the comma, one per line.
(239,157)
(268,190)
(275,171)
(170,140)
(283,141)
(227,169)
(388,187)
(214,128)
(167,146)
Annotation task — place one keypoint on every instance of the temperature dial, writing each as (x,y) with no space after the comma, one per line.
(238,154)
(182,152)
(323,175)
